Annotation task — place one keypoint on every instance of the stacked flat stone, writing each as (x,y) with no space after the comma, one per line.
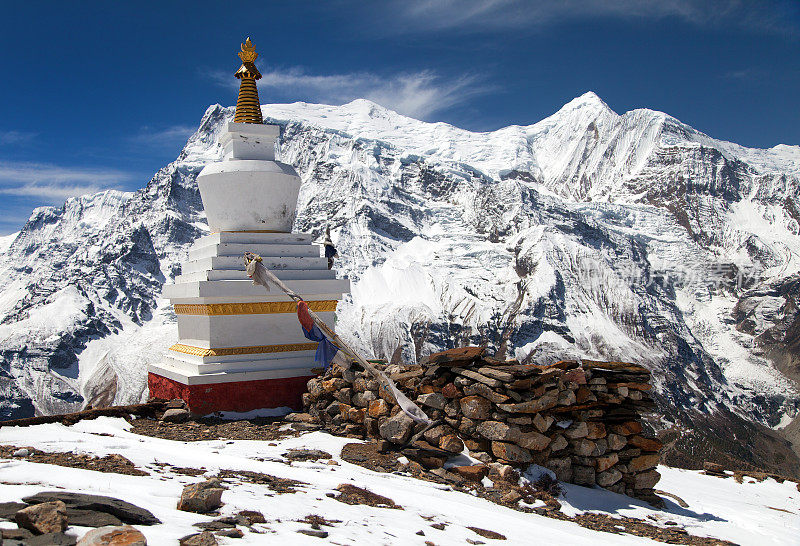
(581,419)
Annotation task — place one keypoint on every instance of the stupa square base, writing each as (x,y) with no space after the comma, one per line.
(238,396)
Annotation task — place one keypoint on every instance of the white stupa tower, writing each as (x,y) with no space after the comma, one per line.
(240,347)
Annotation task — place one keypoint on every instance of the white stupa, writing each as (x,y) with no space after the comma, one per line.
(240,347)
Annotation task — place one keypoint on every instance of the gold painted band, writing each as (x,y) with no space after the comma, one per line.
(251,231)
(228,351)
(258,308)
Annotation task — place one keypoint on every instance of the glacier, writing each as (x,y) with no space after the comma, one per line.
(586,235)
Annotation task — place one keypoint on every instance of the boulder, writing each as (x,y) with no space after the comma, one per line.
(300,418)
(475,376)
(9,509)
(616,442)
(566,398)
(49,539)
(483,390)
(600,447)
(91,518)
(576,375)
(495,430)
(124,535)
(558,443)
(542,422)
(201,497)
(596,430)
(397,429)
(608,477)
(318,533)
(645,444)
(604,463)
(230,533)
(125,511)
(47,517)
(343,395)
(176,415)
(435,400)
(577,430)
(646,480)
(583,475)
(19,534)
(713,468)
(305,454)
(561,467)
(333,384)
(356,415)
(476,407)
(206,538)
(494,373)
(503,472)
(433,435)
(378,408)
(451,443)
(534,406)
(315,389)
(644,462)
(363,399)
(533,441)
(582,447)
(628,428)
(473,473)
(511,453)
(450,391)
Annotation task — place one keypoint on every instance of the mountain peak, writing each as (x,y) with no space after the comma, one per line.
(587,100)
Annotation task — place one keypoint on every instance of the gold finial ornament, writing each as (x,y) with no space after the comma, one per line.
(248,107)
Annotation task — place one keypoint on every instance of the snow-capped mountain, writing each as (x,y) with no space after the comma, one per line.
(588,234)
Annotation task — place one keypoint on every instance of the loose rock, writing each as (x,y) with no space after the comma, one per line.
(201,497)
(113,536)
(47,517)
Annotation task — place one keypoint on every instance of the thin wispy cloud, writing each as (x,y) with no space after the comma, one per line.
(419,94)
(52,183)
(778,16)
(16,137)
(173,135)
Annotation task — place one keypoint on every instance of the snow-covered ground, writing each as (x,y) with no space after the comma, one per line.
(749,513)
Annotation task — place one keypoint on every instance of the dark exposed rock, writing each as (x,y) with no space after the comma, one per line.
(206,538)
(125,511)
(9,509)
(91,518)
(49,539)
(306,454)
(314,533)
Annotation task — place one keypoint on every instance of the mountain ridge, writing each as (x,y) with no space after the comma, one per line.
(606,237)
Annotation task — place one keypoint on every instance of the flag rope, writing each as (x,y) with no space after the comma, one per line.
(263,276)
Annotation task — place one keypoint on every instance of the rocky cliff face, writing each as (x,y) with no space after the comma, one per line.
(589,234)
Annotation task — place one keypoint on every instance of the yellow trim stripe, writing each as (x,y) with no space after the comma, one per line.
(252,231)
(258,308)
(227,351)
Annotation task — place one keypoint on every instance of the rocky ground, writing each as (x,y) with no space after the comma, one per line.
(212,481)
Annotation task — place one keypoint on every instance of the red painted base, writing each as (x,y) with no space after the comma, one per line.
(236,396)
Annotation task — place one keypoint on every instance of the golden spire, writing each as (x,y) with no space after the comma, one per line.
(248,107)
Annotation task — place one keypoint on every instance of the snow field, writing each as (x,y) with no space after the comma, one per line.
(750,513)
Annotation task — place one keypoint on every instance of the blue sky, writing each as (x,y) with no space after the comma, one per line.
(100,95)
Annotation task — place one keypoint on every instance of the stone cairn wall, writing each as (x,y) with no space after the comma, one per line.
(582,420)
